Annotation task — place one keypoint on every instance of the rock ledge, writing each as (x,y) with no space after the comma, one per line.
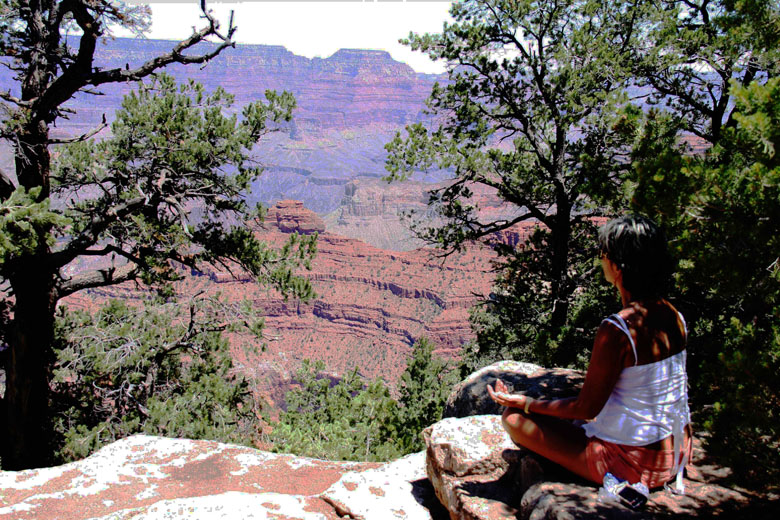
(479,473)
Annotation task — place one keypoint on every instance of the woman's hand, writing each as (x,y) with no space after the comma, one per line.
(500,394)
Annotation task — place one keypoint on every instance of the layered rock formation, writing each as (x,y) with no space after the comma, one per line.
(371,210)
(289,216)
(371,304)
(348,106)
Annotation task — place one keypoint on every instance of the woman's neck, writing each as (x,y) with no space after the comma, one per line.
(625,296)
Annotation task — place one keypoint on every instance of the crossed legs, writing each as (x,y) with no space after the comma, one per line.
(552,438)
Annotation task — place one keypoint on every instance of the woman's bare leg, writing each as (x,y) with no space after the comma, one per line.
(552,438)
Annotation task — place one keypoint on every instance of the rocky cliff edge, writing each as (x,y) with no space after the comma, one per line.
(470,464)
(153,478)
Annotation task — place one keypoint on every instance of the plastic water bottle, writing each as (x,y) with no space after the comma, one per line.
(617,490)
(608,492)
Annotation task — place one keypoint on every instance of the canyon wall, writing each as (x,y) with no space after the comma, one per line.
(371,304)
(348,106)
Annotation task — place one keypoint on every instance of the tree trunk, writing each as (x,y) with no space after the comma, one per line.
(559,287)
(27,425)
(33,160)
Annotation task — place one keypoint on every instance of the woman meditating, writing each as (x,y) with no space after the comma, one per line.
(634,397)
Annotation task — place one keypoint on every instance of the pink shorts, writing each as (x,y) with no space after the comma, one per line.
(631,463)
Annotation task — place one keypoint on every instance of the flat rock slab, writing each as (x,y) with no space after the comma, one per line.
(150,478)
(229,506)
(479,473)
(396,490)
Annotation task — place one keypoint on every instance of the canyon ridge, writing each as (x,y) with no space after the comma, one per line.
(377,289)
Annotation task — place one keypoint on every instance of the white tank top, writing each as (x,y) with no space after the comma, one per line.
(649,402)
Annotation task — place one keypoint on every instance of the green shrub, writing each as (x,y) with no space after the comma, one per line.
(159,368)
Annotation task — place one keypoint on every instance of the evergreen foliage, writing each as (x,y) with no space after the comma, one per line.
(712,70)
(355,419)
(530,112)
(174,148)
(727,237)
(165,190)
(423,390)
(162,368)
(349,420)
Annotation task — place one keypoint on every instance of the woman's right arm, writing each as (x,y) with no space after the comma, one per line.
(606,362)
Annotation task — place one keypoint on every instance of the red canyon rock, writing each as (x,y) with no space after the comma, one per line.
(291,217)
(371,305)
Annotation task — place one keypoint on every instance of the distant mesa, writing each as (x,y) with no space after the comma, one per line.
(290,216)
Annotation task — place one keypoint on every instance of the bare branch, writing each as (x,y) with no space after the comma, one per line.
(112,249)
(175,56)
(91,234)
(6,96)
(82,137)
(82,73)
(98,278)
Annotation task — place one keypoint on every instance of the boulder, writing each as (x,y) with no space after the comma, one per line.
(398,489)
(152,478)
(470,396)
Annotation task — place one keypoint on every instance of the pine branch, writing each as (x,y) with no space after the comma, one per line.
(98,278)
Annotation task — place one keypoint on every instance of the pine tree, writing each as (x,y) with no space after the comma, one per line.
(126,203)
(423,390)
(712,66)
(161,368)
(529,112)
(348,419)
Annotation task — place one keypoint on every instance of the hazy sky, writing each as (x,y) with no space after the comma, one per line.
(313,28)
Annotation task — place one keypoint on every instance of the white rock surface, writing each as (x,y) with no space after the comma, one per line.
(154,478)
(225,506)
(384,493)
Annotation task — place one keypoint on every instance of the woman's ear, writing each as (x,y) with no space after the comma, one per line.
(612,273)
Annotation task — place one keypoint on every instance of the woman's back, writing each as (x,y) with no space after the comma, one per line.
(654,331)
(649,401)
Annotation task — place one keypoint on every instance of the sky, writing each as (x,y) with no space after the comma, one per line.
(312,28)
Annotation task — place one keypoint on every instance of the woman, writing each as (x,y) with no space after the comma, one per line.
(635,391)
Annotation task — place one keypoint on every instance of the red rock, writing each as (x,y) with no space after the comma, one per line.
(371,306)
(289,216)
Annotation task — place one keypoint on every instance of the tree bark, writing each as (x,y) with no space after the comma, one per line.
(559,287)
(27,424)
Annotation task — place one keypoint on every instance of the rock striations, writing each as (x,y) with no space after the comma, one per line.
(289,216)
(370,305)
(348,106)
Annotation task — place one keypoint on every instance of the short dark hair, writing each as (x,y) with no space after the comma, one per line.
(638,247)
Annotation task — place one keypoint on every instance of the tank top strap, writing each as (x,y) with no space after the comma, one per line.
(620,323)
(685,326)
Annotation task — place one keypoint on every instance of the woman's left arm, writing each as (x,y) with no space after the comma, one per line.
(606,363)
